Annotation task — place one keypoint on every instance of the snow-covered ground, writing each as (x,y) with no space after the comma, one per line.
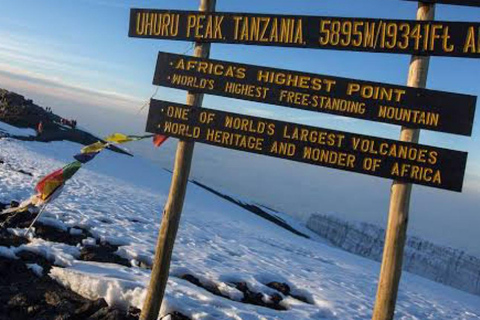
(119,199)
(14,131)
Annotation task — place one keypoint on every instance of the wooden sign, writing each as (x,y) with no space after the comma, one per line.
(437,38)
(409,162)
(472,3)
(401,105)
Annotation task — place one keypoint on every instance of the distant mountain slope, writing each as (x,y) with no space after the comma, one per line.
(445,265)
(20,112)
(255,209)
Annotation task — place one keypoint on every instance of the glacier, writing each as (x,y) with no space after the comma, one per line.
(442,264)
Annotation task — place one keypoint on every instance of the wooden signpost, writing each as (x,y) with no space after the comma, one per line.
(401,105)
(439,38)
(396,232)
(408,162)
(173,208)
(412,106)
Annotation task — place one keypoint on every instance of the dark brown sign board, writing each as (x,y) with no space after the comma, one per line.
(401,105)
(403,161)
(472,3)
(437,38)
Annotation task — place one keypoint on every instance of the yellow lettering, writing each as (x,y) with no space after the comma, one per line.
(470,43)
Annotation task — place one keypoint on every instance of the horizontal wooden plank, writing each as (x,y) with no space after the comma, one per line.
(437,38)
(401,105)
(408,162)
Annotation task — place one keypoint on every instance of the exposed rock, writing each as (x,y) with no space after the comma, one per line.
(210,288)
(17,220)
(178,316)
(90,307)
(7,239)
(20,112)
(14,204)
(271,301)
(111,314)
(260,299)
(31,257)
(25,295)
(25,172)
(280,287)
(285,290)
(53,234)
(103,253)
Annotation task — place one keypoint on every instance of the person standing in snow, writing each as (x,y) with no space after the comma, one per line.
(40,128)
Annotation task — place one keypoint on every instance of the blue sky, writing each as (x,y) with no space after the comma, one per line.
(76,57)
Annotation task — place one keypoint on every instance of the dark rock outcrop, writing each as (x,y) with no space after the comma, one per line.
(264,299)
(257,298)
(103,253)
(23,113)
(26,295)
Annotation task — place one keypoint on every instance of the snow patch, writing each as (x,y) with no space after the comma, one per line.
(89,242)
(38,270)
(59,253)
(119,286)
(15,131)
(76,232)
(8,253)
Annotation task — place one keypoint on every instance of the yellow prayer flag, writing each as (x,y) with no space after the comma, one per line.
(94,147)
(119,138)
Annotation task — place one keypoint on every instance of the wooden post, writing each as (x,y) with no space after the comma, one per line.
(396,232)
(174,205)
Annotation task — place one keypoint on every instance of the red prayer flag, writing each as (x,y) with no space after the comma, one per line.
(50,183)
(158,139)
